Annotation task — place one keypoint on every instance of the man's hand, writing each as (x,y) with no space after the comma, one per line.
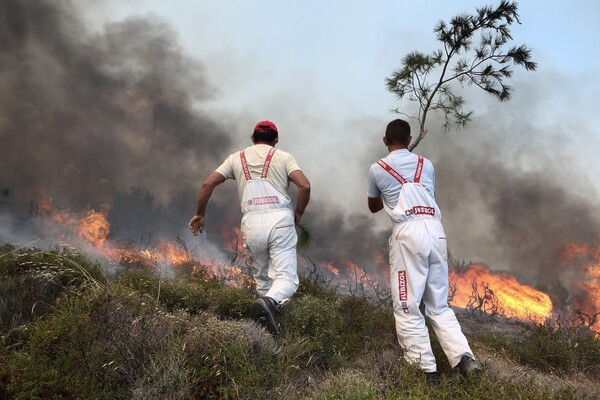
(213,180)
(297,217)
(196,224)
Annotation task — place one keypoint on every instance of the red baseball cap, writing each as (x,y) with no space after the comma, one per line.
(265,125)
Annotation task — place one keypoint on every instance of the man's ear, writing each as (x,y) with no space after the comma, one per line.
(409,140)
(385,141)
(252,138)
(276,141)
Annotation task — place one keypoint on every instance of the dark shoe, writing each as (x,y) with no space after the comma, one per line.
(468,368)
(265,313)
(433,378)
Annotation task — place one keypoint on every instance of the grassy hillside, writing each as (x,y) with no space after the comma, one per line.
(69,332)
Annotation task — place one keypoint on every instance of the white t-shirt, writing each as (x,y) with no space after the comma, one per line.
(282,165)
(405,163)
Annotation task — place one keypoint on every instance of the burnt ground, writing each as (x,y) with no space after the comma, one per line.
(502,366)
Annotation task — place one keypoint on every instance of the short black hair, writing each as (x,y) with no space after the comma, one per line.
(265,136)
(398,132)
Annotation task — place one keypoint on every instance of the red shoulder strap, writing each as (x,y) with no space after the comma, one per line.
(245,166)
(391,171)
(419,170)
(265,169)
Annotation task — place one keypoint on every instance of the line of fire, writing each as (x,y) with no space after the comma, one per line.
(473,286)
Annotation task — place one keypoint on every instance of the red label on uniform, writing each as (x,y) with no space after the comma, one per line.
(420,210)
(402,286)
(259,201)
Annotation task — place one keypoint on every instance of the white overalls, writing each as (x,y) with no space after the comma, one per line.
(419,271)
(269,233)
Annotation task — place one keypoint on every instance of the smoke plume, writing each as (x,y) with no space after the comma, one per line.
(84,115)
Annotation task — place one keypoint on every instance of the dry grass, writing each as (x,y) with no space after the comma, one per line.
(502,367)
(91,337)
(166,376)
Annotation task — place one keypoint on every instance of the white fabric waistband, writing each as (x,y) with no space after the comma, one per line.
(415,218)
(270,210)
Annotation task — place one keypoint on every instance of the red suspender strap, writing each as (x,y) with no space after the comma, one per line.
(391,171)
(265,169)
(419,170)
(245,166)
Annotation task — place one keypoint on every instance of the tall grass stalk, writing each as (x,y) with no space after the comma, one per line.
(19,248)
(304,239)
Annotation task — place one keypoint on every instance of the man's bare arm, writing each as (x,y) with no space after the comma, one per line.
(375,204)
(303,194)
(213,180)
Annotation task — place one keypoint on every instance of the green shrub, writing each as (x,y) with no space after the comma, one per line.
(133,330)
(347,385)
(498,341)
(31,281)
(374,325)
(166,377)
(553,348)
(191,295)
(230,302)
(232,359)
(58,357)
(173,294)
(408,382)
(96,346)
(322,322)
(385,376)
(66,265)
(315,284)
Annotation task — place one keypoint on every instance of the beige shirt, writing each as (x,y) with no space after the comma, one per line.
(282,165)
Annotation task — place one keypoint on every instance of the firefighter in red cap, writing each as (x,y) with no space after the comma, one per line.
(403,184)
(268,222)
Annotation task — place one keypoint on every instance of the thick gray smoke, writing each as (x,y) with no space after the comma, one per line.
(85,115)
(514,195)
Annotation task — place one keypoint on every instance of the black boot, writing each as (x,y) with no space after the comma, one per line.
(433,378)
(468,368)
(265,312)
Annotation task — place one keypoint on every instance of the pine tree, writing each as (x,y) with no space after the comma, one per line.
(428,79)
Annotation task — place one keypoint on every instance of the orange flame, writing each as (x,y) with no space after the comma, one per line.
(232,236)
(516,300)
(586,290)
(92,227)
(329,266)
(171,252)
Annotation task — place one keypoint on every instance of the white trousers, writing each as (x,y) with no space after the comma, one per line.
(270,237)
(419,272)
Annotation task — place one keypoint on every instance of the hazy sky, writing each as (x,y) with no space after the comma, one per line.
(338,52)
